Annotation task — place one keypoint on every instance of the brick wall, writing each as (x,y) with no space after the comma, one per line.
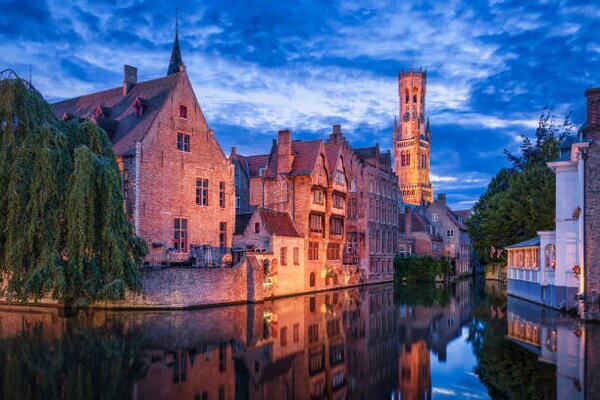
(592,200)
(167,177)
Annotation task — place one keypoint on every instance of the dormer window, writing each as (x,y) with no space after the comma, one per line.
(140,105)
(183,112)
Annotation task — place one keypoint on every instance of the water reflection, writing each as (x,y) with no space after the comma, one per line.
(415,342)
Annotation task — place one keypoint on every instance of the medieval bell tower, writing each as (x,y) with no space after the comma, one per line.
(411,139)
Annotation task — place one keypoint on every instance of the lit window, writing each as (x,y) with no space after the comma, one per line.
(183,112)
(434,217)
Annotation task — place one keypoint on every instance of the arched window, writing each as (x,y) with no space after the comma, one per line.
(415,91)
(407,96)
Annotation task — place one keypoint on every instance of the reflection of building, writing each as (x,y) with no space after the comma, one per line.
(353,343)
(562,342)
(415,372)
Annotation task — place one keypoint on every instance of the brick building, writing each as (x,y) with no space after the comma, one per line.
(591,206)
(411,140)
(451,227)
(307,181)
(373,206)
(417,235)
(178,185)
(278,246)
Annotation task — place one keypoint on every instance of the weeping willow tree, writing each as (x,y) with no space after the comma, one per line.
(63,230)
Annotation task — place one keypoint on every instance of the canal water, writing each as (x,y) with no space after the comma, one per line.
(464,341)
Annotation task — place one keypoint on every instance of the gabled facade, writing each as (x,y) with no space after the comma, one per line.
(178,184)
(306,180)
(373,206)
(453,231)
(418,236)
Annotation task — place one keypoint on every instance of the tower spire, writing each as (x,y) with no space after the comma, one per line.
(176,62)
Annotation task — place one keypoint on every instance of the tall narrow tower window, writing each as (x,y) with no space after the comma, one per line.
(407,96)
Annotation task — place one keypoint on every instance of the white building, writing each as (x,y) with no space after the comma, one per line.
(547,269)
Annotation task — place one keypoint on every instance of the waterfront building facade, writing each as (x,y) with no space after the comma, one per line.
(418,236)
(547,269)
(412,139)
(374,202)
(177,183)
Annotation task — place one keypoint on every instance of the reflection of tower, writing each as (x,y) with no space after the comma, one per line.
(415,372)
(411,139)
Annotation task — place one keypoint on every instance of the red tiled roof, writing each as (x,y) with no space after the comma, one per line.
(278,223)
(305,158)
(255,163)
(332,152)
(129,128)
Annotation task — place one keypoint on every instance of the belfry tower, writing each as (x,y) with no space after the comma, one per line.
(412,136)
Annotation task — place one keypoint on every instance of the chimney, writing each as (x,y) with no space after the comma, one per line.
(130,78)
(233,152)
(441,198)
(593,113)
(284,151)
(407,221)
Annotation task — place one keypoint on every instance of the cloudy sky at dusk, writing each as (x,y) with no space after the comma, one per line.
(260,66)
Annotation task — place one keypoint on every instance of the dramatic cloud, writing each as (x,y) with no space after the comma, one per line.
(260,66)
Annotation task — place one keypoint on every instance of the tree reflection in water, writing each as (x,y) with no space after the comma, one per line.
(83,363)
(409,342)
(508,370)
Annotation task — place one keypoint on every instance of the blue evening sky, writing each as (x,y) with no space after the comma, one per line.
(259,66)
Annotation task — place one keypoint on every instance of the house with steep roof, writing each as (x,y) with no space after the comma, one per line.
(418,236)
(178,185)
(373,205)
(273,238)
(306,180)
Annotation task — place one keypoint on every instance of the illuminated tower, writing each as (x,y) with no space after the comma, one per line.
(412,150)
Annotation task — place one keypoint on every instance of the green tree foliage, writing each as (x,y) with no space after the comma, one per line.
(420,269)
(520,200)
(63,230)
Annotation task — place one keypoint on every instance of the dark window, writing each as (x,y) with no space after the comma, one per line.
(336,225)
(183,112)
(316,222)
(283,256)
(257,227)
(333,251)
(222,235)
(283,336)
(183,142)
(222,194)
(296,333)
(180,235)
(313,251)
(222,357)
(202,191)
(311,304)
(313,333)
(312,279)
(338,201)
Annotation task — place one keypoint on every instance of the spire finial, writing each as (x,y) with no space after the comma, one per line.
(176,63)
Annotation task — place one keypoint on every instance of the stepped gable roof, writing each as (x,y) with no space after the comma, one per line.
(527,243)
(305,158)
(241,222)
(278,223)
(130,127)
